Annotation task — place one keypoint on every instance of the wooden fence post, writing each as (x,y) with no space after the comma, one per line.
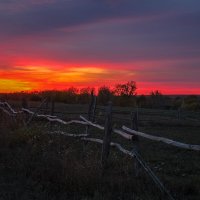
(90,110)
(52,109)
(107,136)
(134,121)
(91,117)
(94,108)
(136,148)
(47,105)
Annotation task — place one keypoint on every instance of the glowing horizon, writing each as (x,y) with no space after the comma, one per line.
(37,78)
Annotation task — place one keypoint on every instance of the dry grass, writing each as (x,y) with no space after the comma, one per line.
(37,165)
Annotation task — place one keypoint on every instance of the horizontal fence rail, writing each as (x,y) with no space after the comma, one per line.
(147,136)
(162,139)
(117,131)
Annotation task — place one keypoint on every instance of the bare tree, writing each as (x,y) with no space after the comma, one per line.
(127,89)
(125,93)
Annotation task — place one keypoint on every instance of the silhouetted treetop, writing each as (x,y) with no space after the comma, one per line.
(127,89)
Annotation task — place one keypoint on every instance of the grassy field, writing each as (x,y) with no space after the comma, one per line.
(38,165)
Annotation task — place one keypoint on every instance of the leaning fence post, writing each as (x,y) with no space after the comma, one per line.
(91,112)
(135,139)
(107,136)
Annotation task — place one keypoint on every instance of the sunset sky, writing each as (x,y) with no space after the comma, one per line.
(55,44)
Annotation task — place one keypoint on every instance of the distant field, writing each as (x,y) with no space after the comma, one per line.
(57,167)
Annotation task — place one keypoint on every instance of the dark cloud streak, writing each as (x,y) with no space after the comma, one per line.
(46,17)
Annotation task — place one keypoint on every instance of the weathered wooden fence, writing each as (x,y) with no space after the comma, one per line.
(132,134)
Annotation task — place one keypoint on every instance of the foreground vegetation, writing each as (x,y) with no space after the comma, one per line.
(38,165)
(35,165)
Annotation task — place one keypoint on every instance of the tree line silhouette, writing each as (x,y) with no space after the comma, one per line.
(121,95)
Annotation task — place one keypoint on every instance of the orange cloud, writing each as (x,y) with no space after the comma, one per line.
(31,77)
(8,85)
